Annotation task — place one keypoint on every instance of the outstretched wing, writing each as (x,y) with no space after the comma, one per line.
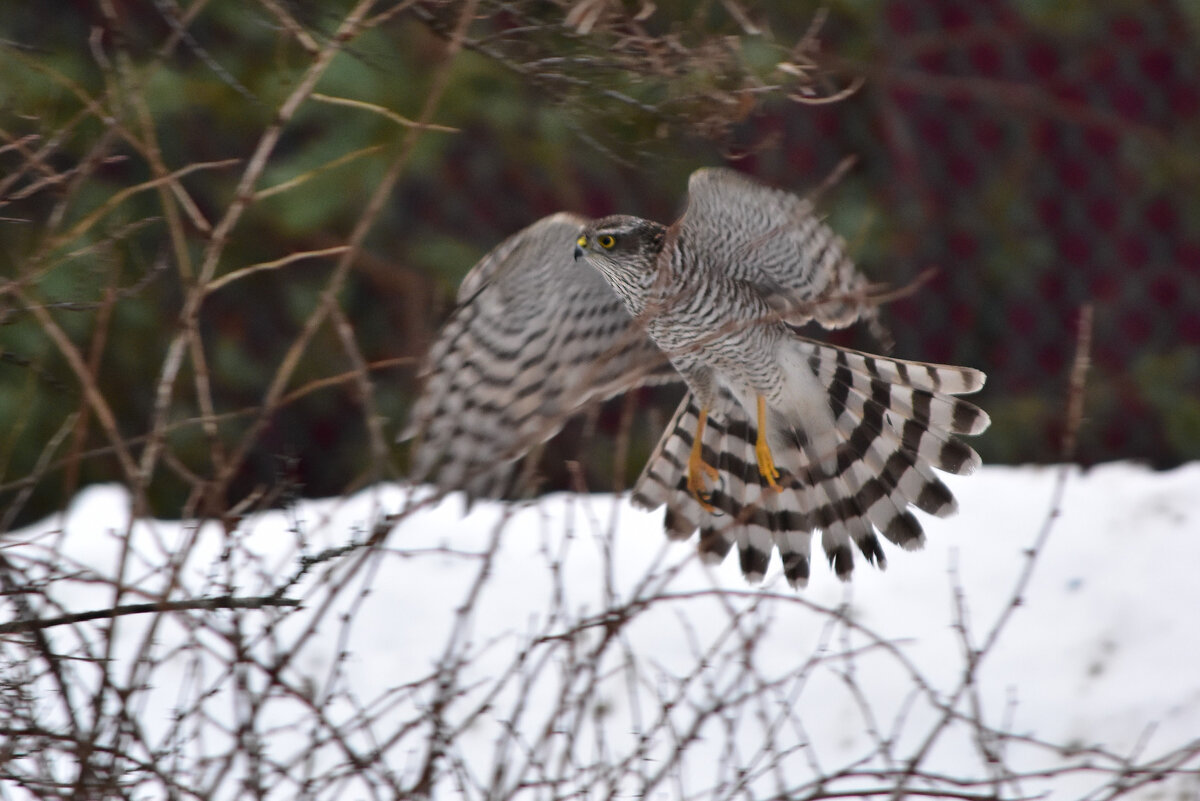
(857,437)
(536,337)
(775,241)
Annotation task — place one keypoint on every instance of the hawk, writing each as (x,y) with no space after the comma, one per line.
(779,437)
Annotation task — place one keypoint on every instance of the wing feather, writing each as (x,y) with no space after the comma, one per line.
(774,241)
(536,337)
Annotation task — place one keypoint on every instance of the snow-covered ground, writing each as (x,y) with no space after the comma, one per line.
(585,624)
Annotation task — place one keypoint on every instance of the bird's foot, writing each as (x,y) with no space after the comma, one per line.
(762,450)
(766,464)
(697,471)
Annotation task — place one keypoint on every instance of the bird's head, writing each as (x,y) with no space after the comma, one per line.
(624,249)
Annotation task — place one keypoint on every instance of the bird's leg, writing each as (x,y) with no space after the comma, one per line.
(766,464)
(697,468)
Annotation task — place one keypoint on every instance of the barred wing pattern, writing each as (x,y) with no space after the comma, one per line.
(855,438)
(535,338)
(754,232)
(894,422)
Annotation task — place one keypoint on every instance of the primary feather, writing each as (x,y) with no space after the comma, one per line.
(855,438)
(535,338)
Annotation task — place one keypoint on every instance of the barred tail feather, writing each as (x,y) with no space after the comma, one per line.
(741,515)
(856,445)
(945,378)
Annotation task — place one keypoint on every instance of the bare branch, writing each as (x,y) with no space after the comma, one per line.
(207,604)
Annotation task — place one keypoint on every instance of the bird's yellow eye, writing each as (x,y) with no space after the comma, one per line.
(581,241)
(606,241)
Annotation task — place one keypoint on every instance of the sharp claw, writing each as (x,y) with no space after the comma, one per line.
(762,450)
(697,472)
(766,464)
(698,469)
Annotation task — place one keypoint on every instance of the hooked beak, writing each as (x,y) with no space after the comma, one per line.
(579,244)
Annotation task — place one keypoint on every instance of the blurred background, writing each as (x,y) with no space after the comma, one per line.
(1037,156)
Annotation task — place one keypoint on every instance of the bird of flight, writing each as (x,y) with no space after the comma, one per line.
(779,437)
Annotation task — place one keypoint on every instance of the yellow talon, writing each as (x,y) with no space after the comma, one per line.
(698,469)
(766,464)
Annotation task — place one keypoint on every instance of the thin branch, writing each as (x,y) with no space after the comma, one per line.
(209,604)
(386,113)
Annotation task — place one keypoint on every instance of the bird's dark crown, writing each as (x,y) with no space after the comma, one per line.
(630,233)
